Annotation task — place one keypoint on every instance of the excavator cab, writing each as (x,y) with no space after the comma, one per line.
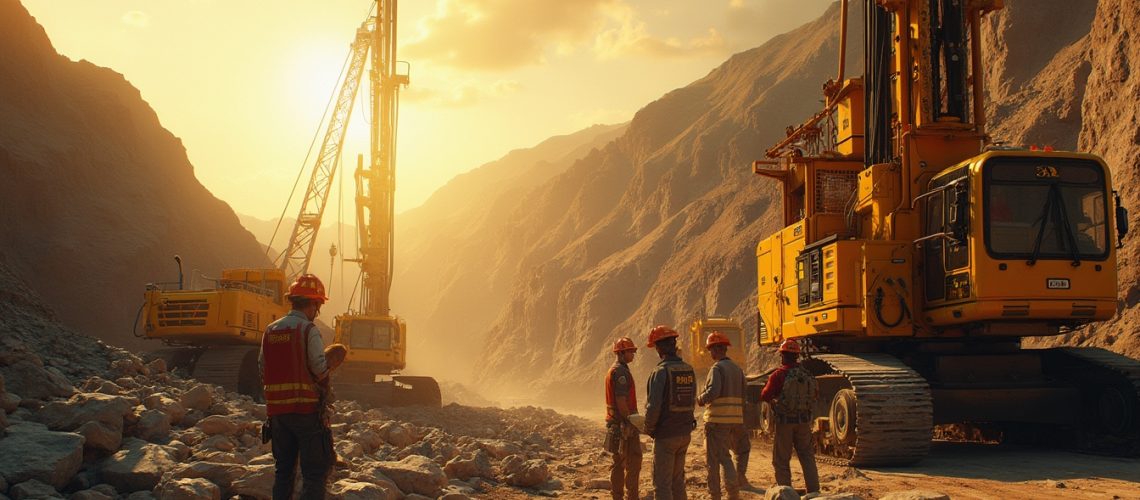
(1019,240)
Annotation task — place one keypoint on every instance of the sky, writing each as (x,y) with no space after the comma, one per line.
(244,83)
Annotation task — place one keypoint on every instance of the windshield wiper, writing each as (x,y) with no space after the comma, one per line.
(1044,220)
(1054,209)
(1063,216)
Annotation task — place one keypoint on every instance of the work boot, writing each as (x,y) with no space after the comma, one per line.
(810,495)
(733,494)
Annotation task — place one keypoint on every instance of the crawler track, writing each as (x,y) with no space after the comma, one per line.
(894,412)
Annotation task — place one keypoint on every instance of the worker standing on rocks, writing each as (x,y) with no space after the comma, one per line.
(622,437)
(792,392)
(292,365)
(670,401)
(724,419)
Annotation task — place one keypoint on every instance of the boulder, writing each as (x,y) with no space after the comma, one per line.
(219,442)
(518,471)
(221,474)
(257,482)
(781,493)
(200,397)
(840,496)
(32,489)
(87,407)
(31,451)
(157,366)
(218,424)
(499,449)
(399,436)
(476,465)
(9,402)
(166,405)
(455,495)
(60,385)
(600,483)
(100,438)
(188,489)
(348,450)
(141,495)
(91,494)
(369,439)
(138,466)
(153,426)
(347,489)
(415,474)
(915,495)
(32,381)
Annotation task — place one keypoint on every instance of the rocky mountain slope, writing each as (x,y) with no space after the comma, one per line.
(667,216)
(456,256)
(97,196)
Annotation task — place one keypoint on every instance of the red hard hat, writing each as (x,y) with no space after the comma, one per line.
(717,338)
(790,345)
(624,344)
(660,332)
(308,286)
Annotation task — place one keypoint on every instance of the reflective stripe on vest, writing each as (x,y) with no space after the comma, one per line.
(728,407)
(289,386)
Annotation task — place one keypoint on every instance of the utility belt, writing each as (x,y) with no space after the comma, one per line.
(617,433)
(793,418)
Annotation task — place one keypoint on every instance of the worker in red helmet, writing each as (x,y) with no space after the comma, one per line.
(292,365)
(792,392)
(670,401)
(724,419)
(622,437)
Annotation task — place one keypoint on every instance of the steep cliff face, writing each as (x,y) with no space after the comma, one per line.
(97,197)
(457,255)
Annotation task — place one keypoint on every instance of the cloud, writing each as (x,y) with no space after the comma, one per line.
(631,36)
(136,19)
(507,34)
(753,21)
(503,34)
(461,95)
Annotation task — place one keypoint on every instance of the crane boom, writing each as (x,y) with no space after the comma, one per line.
(295,260)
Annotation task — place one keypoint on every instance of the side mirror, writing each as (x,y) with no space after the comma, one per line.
(1121,221)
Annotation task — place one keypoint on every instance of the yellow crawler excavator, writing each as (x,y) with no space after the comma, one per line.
(377,339)
(916,256)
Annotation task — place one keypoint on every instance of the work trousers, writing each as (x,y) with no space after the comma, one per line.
(719,439)
(301,437)
(795,436)
(742,447)
(626,469)
(669,467)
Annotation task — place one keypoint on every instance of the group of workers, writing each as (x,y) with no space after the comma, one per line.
(296,367)
(669,419)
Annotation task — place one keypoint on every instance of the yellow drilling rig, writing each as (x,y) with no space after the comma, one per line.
(214,333)
(377,339)
(916,256)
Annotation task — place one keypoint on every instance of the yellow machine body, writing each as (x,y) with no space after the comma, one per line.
(376,346)
(699,331)
(236,311)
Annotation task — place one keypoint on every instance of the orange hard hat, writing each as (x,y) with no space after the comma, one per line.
(624,344)
(717,338)
(790,345)
(660,332)
(308,286)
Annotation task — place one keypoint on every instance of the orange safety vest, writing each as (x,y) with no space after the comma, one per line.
(611,397)
(289,386)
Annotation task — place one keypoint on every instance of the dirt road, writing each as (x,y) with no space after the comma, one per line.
(961,470)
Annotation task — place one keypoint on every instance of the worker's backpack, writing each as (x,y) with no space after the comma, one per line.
(798,394)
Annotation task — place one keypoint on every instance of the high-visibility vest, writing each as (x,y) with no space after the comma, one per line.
(616,371)
(728,406)
(288,383)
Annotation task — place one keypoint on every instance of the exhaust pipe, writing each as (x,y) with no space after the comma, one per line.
(179,261)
